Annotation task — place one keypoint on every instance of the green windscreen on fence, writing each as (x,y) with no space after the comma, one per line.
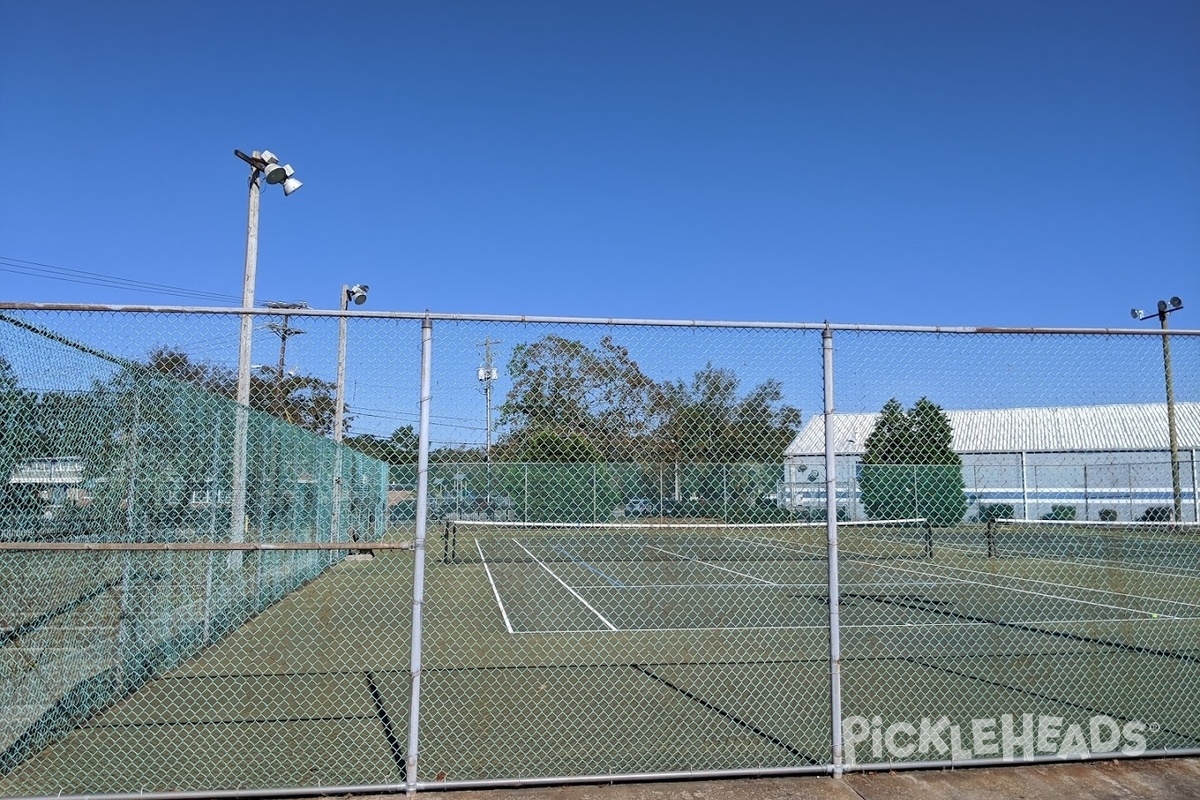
(110,452)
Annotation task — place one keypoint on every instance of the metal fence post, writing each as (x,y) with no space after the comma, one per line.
(126,619)
(835,635)
(1086,502)
(419,548)
(725,492)
(1195,492)
(383,509)
(1024,487)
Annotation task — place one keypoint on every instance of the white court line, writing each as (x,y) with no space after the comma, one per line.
(761,542)
(564,584)
(872,626)
(948,579)
(821,585)
(1046,595)
(816,551)
(495,591)
(706,628)
(714,566)
(1093,563)
(1122,620)
(1071,586)
(702,586)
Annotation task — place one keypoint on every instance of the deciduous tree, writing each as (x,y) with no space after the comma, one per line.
(563,388)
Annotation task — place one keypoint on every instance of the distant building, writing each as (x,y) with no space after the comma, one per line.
(1089,457)
(53,482)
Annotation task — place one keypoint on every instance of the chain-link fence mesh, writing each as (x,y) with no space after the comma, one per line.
(638,595)
(1063,595)
(616,560)
(156,659)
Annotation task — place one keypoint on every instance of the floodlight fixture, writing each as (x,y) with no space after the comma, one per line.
(277,173)
(266,164)
(1161,309)
(358,293)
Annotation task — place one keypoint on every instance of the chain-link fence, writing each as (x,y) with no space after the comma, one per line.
(563,550)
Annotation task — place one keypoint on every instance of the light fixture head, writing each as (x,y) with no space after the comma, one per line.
(358,293)
(290,185)
(1176,302)
(277,173)
(1162,306)
(267,157)
(1136,313)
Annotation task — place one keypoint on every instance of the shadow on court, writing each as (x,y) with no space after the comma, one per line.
(312,691)
(585,666)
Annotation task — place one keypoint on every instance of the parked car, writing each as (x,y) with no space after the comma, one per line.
(640,507)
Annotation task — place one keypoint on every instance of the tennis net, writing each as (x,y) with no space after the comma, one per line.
(1158,543)
(476,541)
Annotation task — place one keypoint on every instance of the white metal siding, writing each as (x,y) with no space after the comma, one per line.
(1114,428)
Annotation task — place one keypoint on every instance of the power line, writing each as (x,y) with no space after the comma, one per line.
(397,418)
(416,415)
(37,269)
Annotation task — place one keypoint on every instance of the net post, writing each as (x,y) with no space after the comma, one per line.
(991,538)
(835,635)
(414,716)
(927,526)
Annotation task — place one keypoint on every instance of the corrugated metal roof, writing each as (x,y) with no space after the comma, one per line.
(1141,426)
(48,471)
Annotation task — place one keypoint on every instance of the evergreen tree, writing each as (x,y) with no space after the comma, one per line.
(910,469)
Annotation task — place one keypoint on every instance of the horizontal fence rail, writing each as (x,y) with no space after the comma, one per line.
(449,551)
(202,547)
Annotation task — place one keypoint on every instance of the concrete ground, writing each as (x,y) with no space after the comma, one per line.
(1132,779)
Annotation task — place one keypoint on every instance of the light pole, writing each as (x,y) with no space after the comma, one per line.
(1166,307)
(262,165)
(358,295)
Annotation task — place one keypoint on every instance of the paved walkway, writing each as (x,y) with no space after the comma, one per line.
(1133,779)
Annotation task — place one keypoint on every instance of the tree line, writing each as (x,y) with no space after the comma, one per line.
(569,403)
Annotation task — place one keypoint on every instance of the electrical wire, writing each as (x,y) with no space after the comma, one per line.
(37,269)
(360,413)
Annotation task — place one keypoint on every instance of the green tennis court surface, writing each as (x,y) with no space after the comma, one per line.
(551,652)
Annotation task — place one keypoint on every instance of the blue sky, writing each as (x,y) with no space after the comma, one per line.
(955,163)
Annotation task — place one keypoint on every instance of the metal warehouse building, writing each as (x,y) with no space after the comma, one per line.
(1090,458)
